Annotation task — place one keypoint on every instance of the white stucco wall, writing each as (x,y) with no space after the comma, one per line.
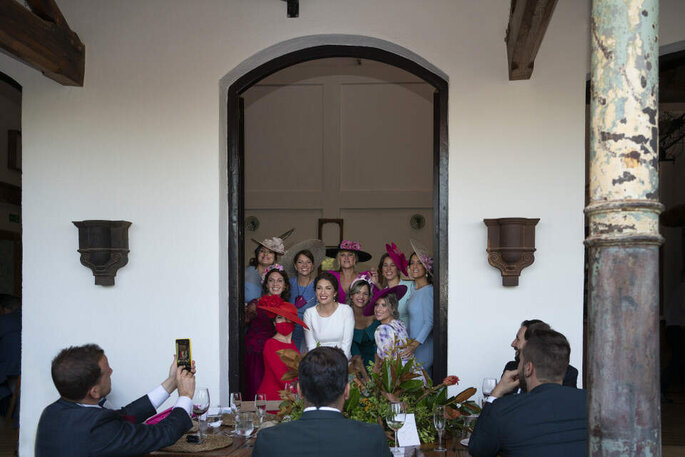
(142,141)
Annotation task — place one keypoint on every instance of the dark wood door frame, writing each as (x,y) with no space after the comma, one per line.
(236,191)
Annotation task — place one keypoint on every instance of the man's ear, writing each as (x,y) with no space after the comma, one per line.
(346,394)
(94,392)
(528,369)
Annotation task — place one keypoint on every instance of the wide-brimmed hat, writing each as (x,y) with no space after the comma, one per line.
(276,243)
(424,255)
(398,290)
(352,246)
(397,257)
(316,247)
(276,306)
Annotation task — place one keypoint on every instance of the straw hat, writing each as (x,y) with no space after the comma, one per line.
(276,243)
(425,256)
(316,247)
(398,290)
(276,306)
(352,246)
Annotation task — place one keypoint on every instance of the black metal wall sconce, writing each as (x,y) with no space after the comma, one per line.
(511,244)
(103,246)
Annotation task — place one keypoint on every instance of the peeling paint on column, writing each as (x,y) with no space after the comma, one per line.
(623,217)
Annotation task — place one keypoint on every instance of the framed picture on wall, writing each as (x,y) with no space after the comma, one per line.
(14,150)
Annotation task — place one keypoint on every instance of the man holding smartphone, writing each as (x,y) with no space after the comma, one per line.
(77,425)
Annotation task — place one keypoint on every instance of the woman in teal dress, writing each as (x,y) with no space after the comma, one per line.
(363,341)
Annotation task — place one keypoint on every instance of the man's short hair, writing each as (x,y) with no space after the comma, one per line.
(76,369)
(323,375)
(549,352)
(529,322)
(534,327)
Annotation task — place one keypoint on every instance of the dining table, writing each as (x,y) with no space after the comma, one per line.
(242,447)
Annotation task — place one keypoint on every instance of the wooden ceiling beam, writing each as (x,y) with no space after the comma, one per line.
(528,21)
(41,38)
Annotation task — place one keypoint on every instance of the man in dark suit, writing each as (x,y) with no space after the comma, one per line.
(322,430)
(547,419)
(528,326)
(10,349)
(77,425)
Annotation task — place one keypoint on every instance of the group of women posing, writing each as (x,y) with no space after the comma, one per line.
(366,314)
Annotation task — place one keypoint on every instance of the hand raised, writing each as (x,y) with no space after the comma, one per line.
(185,381)
(509,382)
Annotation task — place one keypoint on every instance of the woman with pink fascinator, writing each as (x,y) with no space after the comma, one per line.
(389,267)
(347,255)
(420,306)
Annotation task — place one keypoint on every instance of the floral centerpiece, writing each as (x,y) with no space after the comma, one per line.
(391,381)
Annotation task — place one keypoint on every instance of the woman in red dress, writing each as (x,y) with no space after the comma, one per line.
(285,318)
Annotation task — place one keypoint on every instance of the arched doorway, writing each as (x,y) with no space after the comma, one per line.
(312,48)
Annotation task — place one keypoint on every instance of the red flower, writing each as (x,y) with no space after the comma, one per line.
(272,301)
(450,380)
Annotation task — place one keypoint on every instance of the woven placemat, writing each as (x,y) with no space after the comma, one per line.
(211,442)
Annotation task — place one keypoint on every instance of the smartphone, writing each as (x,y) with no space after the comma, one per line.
(183,353)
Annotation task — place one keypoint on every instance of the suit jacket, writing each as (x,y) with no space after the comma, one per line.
(548,421)
(570,378)
(322,433)
(66,429)
(10,351)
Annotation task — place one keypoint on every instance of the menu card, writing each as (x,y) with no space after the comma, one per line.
(408,435)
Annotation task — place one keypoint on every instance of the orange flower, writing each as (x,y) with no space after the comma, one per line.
(450,380)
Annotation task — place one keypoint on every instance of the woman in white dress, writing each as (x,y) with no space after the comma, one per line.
(330,323)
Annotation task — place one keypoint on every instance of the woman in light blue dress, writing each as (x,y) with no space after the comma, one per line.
(420,307)
(265,255)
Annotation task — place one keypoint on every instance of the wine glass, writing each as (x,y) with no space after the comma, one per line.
(439,423)
(488,386)
(200,407)
(260,406)
(292,388)
(244,425)
(236,401)
(395,419)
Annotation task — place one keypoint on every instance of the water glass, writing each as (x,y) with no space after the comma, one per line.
(244,425)
(214,417)
(439,423)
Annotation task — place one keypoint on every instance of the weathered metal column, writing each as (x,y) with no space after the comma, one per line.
(623,402)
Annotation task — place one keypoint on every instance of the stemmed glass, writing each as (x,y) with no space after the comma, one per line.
(488,386)
(292,388)
(236,401)
(395,417)
(439,422)
(260,406)
(244,425)
(200,407)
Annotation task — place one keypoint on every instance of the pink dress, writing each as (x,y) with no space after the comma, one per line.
(342,296)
